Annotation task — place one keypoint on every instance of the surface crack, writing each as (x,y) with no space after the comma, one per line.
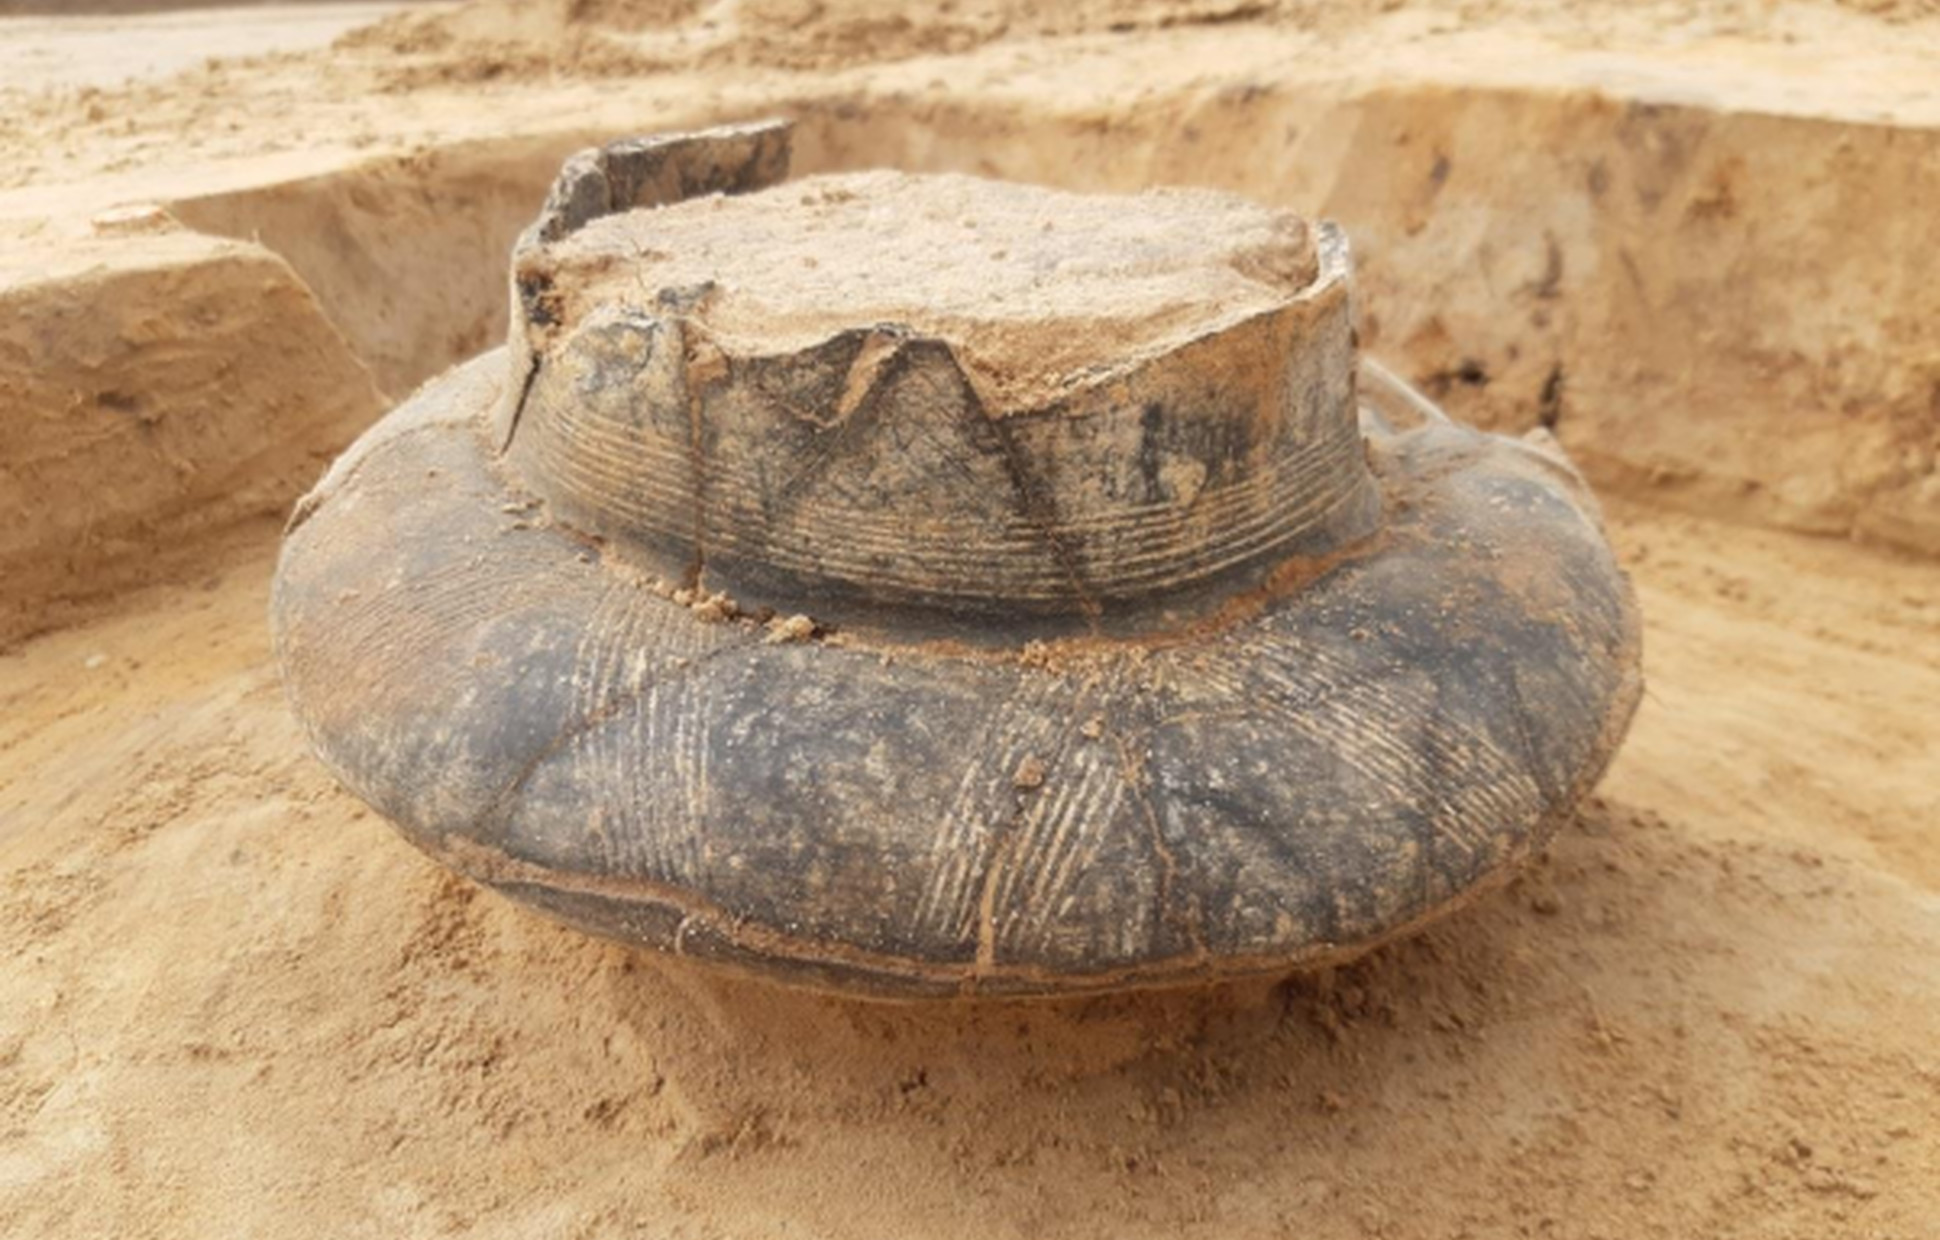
(532,365)
(499,811)
(1040,512)
(1132,769)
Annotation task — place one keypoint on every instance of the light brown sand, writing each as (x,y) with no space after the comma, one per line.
(235,1004)
(59,50)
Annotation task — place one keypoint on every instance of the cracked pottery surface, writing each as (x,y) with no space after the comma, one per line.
(959,588)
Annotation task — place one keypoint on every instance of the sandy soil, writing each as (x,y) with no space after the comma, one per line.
(236,1004)
(60,51)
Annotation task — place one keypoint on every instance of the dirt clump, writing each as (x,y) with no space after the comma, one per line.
(1029,288)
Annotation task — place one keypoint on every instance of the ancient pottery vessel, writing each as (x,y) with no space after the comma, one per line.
(927,586)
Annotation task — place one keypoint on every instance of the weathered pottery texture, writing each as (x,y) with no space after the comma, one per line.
(926,586)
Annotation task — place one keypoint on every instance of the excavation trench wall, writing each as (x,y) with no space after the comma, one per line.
(1712,306)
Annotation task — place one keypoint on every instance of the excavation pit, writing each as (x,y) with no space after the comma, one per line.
(233,986)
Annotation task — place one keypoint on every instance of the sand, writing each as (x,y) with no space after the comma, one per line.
(150,40)
(237,1004)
